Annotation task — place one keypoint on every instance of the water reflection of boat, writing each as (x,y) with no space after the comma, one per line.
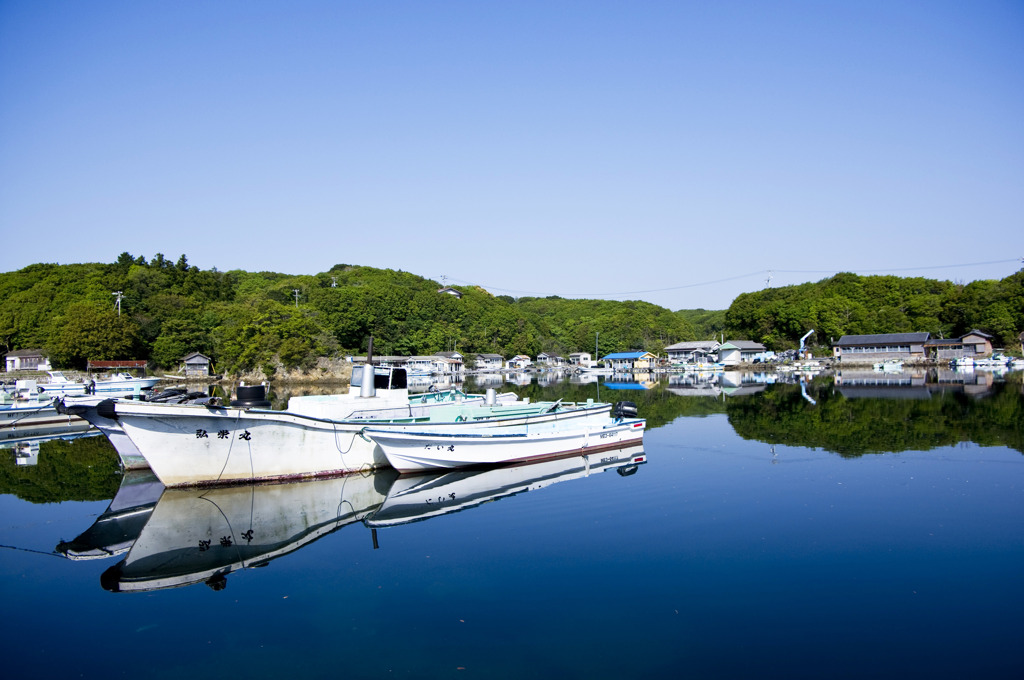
(414,498)
(25,419)
(197,536)
(116,529)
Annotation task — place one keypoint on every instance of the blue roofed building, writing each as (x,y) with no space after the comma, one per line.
(628,362)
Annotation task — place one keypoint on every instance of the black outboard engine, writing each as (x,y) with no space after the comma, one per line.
(251,396)
(624,409)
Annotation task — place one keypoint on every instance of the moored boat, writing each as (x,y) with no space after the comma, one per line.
(425,450)
(188,444)
(122,382)
(59,384)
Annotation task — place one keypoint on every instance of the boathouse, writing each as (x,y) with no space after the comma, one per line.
(119,365)
(196,365)
(489,362)
(27,360)
(871,348)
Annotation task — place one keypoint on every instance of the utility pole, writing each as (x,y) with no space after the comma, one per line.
(296,292)
(117,302)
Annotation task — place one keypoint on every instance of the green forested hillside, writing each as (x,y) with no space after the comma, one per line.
(248,320)
(848,304)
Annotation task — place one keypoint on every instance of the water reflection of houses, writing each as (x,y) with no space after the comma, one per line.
(911,384)
(551,377)
(741,383)
(694,384)
(631,381)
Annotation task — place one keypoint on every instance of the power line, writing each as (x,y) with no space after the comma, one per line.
(758,273)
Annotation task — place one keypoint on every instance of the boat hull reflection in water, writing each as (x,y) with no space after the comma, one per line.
(116,530)
(414,498)
(202,535)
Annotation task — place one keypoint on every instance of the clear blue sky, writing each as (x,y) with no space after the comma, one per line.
(600,149)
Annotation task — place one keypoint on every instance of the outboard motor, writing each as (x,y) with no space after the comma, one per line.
(624,409)
(251,396)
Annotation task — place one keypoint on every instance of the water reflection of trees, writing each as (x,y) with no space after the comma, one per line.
(852,426)
(84,469)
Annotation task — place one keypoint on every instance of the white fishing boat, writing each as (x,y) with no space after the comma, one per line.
(426,450)
(59,384)
(122,382)
(202,536)
(197,445)
(413,498)
(187,444)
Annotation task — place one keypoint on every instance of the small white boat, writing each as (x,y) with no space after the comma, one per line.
(59,384)
(123,382)
(889,366)
(417,451)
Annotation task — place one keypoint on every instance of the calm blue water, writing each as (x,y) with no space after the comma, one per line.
(719,557)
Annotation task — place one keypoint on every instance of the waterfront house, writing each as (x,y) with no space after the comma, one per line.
(736,352)
(489,362)
(27,360)
(196,365)
(973,345)
(583,359)
(872,348)
(552,360)
(519,362)
(691,351)
(628,362)
(454,362)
